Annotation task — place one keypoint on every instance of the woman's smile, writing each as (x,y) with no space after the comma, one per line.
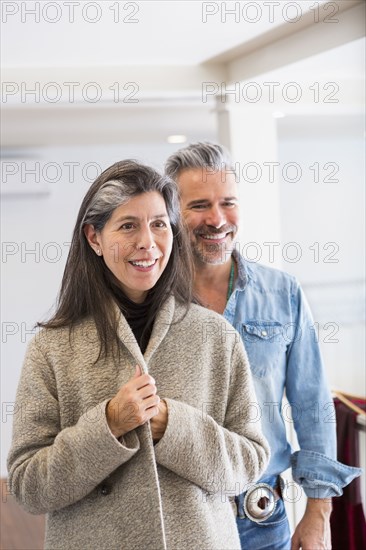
(136,243)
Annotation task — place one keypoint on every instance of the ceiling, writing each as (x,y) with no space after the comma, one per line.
(147,32)
(169,53)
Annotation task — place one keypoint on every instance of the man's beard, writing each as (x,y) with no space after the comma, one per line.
(212,253)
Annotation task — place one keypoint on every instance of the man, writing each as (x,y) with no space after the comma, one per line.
(268,309)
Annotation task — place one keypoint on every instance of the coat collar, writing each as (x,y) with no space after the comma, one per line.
(161,326)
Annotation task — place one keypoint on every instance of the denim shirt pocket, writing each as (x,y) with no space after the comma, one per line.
(264,343)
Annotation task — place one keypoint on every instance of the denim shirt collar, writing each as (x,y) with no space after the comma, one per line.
(245,273)
(244,277)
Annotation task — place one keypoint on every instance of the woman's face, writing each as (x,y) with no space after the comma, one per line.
(136,243)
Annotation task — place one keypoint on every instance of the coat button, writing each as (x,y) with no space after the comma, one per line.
(104,489)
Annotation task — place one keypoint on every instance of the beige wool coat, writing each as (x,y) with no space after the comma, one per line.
(100,493)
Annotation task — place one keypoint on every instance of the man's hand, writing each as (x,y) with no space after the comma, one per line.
(159,422)
(313,531)
(134,404)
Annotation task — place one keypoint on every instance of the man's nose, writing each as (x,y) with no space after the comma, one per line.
(215,217)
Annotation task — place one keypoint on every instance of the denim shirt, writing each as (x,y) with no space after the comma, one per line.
(270,312)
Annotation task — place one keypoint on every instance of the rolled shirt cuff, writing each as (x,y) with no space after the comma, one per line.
(321,476)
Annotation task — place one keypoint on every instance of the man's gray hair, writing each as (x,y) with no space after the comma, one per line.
(203,155)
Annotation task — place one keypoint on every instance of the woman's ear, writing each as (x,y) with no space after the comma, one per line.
(93,238)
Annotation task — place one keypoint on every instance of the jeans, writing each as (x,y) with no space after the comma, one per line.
(273,534)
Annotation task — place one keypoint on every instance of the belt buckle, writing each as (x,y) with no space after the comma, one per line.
(251,502)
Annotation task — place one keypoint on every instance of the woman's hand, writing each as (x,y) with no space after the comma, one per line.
(134,404)
(159,422)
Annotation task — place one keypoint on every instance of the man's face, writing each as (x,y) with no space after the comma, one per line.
(209,202)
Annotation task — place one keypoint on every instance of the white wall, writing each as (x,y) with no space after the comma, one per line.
(331,214)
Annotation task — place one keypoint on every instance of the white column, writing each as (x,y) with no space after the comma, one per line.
(250,134)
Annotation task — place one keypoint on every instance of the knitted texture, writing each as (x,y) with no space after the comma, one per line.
(101,493)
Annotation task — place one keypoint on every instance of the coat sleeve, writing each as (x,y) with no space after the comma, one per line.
(50,467)
(217,458)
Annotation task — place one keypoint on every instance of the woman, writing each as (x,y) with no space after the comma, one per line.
(133,427)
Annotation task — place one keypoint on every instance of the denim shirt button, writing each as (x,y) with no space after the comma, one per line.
(264,333)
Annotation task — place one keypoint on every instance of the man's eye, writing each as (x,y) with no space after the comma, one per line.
(198,207)
(229,204)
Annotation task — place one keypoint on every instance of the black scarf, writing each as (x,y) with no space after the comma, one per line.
(137,316)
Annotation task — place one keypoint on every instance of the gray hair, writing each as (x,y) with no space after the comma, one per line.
(128,179)
(112,194)
(199,155)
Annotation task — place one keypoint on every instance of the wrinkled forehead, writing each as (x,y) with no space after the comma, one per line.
(150,203)
(206,183)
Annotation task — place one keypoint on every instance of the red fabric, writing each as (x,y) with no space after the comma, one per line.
(348,524)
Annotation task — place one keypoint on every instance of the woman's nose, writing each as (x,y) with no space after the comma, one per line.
(146,240)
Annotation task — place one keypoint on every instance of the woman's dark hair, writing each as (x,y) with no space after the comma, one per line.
(89,288)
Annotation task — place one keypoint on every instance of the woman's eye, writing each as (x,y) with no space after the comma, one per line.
(160,224)
(127,226)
